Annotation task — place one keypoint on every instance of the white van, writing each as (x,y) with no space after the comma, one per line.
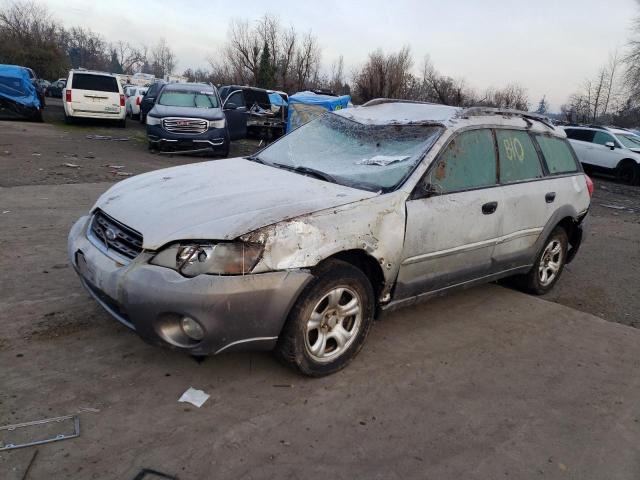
(91,94)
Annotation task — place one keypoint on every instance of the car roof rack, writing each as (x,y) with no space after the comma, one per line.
(479,110)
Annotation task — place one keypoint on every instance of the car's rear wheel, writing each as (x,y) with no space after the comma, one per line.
(549,264)
(123,123)
(329,322)
(628,172)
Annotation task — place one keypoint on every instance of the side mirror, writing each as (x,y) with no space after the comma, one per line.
(230,106)
(611,145)
(427,189)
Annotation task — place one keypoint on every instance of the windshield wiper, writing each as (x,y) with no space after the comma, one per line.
(307,171)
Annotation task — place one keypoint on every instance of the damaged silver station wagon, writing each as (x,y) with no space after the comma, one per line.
(298,247)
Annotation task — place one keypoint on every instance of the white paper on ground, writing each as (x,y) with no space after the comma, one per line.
(194,397)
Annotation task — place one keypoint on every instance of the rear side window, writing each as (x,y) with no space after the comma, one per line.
(518,156)
(557,154)
(236,99)
(578,134)
(468,161)
(100,83)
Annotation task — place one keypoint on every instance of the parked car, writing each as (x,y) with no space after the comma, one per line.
(56,88)
(188,117)
(149,99)
(608,149)
(360,210)
(96,95)
(256,107)
(133,98)
(19,95)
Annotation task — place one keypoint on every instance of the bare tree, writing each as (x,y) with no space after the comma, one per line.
(384,75)
(512,96)
(163,59)
(29,36)
(131,59)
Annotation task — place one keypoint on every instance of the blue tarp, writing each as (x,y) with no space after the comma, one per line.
(305,106)
(16,86)
(277,100)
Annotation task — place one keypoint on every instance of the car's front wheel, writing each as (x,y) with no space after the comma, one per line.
(329,322)
(628,172)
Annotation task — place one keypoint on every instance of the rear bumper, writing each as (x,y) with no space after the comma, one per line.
(236,312)
(76,113)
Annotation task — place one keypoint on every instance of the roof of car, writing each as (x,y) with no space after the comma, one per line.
(189,86)
(91,72)
(405,112)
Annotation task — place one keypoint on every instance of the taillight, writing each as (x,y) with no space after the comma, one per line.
(137,100)
(68,96)
(122,100)
(590,185)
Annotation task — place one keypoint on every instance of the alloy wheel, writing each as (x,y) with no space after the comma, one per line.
(334,324)
(550,263)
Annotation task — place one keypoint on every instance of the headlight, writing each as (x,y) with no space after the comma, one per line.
(217,123)
(227,258)
(153,120)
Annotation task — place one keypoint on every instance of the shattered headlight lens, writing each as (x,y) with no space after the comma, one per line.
(226,258)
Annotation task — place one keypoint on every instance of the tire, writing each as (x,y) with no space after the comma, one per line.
(68,120)
(628,172)
(539,280)
(122,123)
(142,118)
(317,338)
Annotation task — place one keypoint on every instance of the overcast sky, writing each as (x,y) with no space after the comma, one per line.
(548,46)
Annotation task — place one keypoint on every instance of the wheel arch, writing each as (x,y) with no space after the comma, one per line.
(365,263)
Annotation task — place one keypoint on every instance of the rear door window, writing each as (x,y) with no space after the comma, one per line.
(579,134)
(557,154)
(99,83)
(468,162)
(518,156)
(236,98)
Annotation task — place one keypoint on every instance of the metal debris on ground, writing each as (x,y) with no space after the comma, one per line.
(123,174)
(33,459)
(615,207)
(108,137)
(149,473)
(71,165)
(194,397)
(10,445)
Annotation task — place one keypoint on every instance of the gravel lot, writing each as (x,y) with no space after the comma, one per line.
(485,383)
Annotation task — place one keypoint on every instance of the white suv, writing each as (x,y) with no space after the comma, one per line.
(608,149)
(90,94)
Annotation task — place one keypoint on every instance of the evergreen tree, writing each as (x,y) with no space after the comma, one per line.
(266,71)
(114,65)
(542,106)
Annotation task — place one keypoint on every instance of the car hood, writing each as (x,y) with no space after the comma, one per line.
(190,112)
(217,200)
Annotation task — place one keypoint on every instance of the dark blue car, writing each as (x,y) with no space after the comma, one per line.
(188,117)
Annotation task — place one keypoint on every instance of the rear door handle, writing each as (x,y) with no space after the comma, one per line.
(489,207)
(550,197)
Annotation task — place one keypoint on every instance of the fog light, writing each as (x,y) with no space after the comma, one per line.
(191,328)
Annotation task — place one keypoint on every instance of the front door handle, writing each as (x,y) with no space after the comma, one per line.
(489,207)
(550,197)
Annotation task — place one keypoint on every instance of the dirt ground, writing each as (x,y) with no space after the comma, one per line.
(483,384)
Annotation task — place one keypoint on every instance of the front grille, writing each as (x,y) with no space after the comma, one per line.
(115,236)
(185,125)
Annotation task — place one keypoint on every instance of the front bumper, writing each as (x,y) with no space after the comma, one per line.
(236,312)
(215,138)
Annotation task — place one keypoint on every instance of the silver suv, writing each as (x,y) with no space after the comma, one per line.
(359,211)
(609,149)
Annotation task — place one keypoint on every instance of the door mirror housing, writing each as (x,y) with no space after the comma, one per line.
(611,145)
(230,106)
(427,189)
